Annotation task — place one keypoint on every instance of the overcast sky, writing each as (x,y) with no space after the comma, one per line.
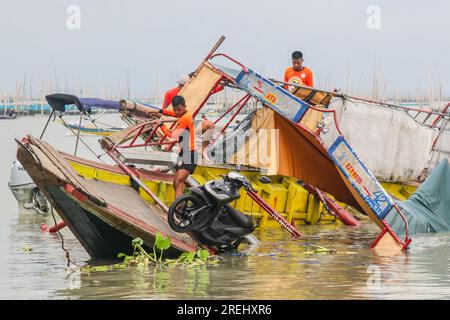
(156,41)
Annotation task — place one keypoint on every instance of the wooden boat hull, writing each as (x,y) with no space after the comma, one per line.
(99,239)
(103,222)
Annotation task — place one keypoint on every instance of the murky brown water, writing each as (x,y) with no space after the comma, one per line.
(278,269)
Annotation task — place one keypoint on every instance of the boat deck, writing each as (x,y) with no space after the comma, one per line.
(131,203)
(104,215)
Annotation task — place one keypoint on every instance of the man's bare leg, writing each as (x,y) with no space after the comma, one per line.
(208,128)
(178,181)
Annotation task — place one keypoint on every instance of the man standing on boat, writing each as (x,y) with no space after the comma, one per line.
(183,132)
(168,96)
(174,91)
(205,127)
(298,74)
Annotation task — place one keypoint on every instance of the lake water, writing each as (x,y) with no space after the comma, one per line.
(278,269)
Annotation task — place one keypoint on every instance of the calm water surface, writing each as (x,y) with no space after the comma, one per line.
(278,269)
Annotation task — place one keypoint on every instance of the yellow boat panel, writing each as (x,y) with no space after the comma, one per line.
(99,133)
(398,190)
(297,198)
(89,172)
(283,193)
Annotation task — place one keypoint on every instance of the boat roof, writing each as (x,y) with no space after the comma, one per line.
(59,101)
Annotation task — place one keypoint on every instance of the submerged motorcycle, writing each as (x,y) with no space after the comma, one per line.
(206,213)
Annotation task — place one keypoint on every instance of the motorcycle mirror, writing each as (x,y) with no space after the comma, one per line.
(264,179)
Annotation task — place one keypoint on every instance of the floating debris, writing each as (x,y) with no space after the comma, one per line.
(142,259)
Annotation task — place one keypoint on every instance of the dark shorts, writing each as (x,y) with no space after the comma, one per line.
(187,161)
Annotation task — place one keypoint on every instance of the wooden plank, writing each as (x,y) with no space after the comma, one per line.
(196,91)
(311,119)
(148,157)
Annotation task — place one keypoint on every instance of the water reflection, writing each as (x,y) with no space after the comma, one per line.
(278,269)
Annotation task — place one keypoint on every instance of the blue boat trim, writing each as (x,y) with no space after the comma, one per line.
(330,151)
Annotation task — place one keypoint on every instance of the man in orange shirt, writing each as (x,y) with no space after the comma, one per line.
(298,74)
(174,91)
(168,96)
(184,133)
(206,128)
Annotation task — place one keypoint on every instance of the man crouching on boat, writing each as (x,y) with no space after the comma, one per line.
(184,133)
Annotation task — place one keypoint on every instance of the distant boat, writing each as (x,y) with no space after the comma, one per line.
(92,129)
(10,115)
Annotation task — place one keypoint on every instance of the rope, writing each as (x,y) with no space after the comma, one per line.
(67,254)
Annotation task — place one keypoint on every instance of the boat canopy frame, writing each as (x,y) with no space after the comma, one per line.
(58,103)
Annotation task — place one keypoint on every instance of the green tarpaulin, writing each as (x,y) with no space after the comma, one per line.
(428,209)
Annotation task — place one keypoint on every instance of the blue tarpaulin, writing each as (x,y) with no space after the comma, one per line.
(59,101)
(89,103)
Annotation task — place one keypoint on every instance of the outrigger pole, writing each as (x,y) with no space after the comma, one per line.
(212,51)
(275,215)
(136,179)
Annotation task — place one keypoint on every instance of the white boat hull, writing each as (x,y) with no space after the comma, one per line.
(25,190)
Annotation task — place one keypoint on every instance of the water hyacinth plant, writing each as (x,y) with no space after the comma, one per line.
(142,259)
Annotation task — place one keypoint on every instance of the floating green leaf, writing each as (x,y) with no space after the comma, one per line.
(203,254)
(142,259)
(138,241)
(162,243)
(190,257)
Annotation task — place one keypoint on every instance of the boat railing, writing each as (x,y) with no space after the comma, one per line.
(139,131)
(420,115)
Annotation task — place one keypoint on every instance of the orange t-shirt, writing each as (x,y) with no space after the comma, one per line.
(184,126)
(302,77)
(169,96)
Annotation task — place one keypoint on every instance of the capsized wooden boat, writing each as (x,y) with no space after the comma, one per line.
(85,195)
(103,215)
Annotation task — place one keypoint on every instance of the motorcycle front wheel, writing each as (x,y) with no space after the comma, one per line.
(186,214)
